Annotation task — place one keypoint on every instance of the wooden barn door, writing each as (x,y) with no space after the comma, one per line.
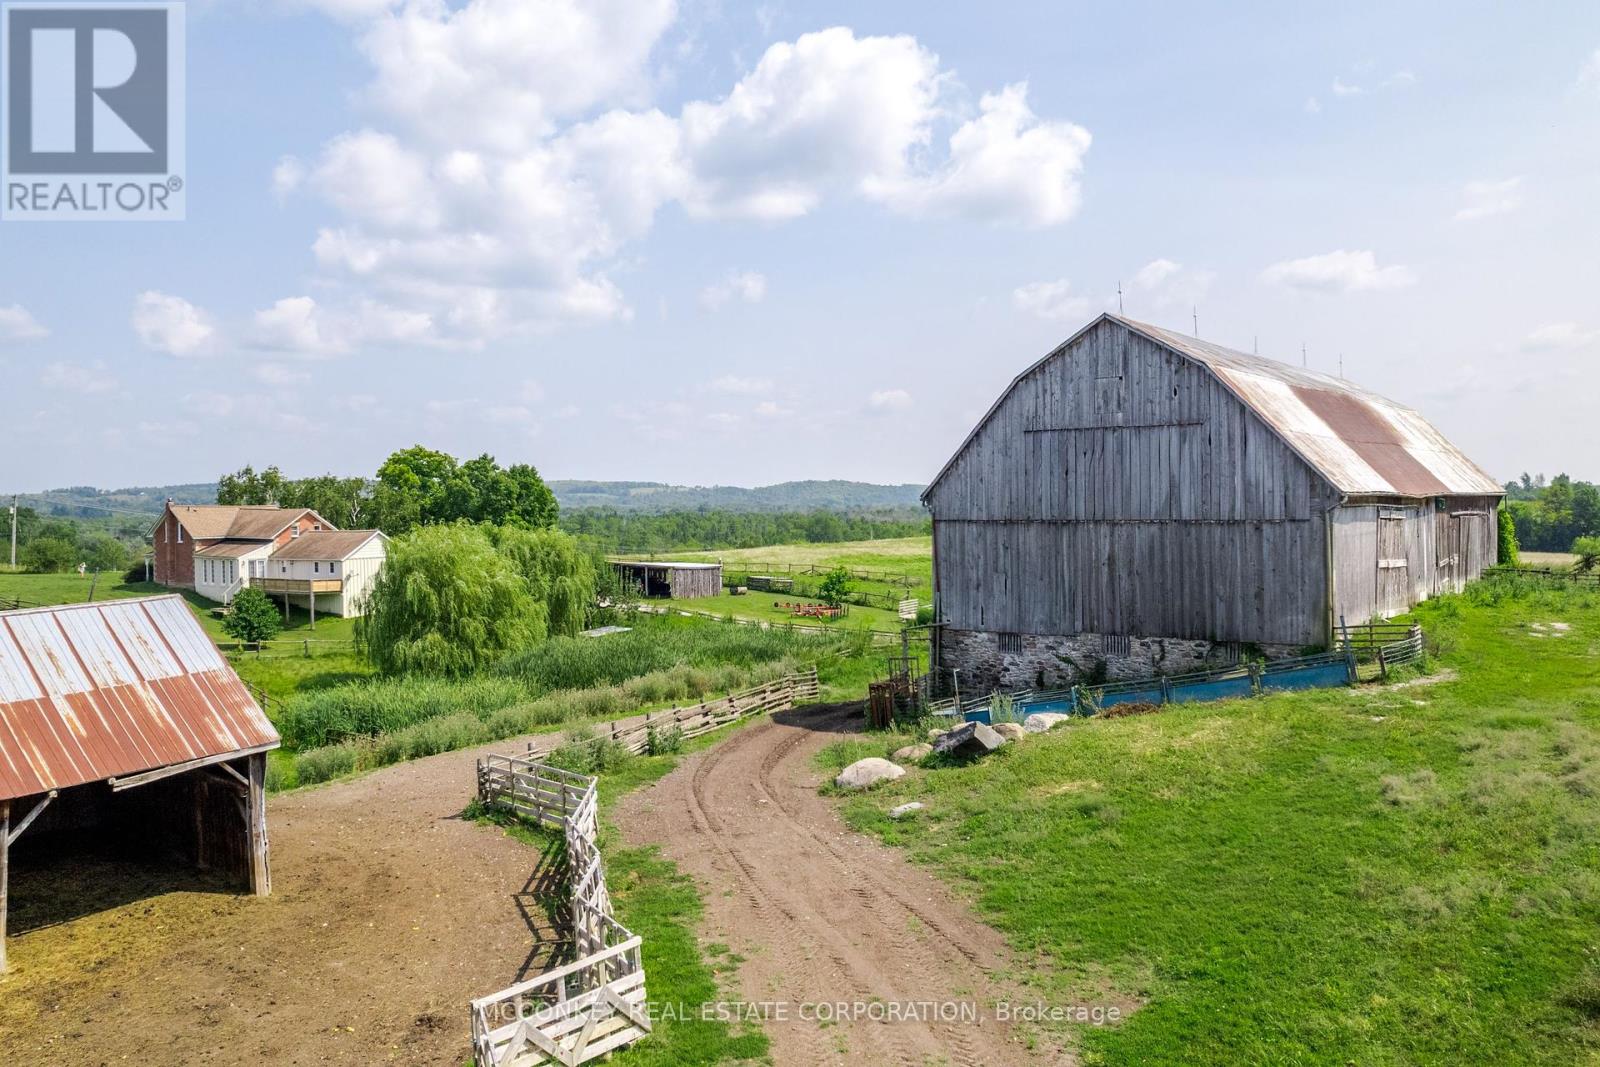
(1470,541)
(1394,576)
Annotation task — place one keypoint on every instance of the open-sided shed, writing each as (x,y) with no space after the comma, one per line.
(124,717)
(665,578)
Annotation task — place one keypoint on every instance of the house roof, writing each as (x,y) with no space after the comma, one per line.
(325,544)
(247,522)
(232,549)
(96,691)
(1363,444)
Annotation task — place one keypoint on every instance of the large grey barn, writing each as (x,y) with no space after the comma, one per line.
(1158,502)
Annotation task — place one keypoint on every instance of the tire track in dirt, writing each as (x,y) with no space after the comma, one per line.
(819,914)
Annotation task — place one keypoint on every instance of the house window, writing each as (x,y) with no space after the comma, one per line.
(294,533)
(1116,645)
(180,533)
(316,568)
(316,526)
(333,568)
(1011,644)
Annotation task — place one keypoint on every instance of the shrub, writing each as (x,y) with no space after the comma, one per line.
(836,585)
(1507,555)
(1587,549)
(252,617)
(660,742)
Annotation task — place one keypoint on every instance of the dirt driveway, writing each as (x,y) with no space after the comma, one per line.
(823,916)
(384,903)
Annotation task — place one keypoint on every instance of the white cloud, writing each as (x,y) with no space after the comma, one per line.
(75,378)
(287,177)
(1313,106)
(1006,165)
(1560,335)
(731,383)
(1340,88)
(1482,199)
(209,404)
(1338,272)
(297,324)
(18,324)
(522,159)
(1589,77)
(499,74)
(769,409)
(747,286)
(278,374)
(1163,283)
(172,325)
(1050,300)
(889,400)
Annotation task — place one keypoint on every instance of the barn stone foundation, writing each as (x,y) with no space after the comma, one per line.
(1058,661)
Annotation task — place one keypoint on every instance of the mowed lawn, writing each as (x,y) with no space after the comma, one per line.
(1397,875)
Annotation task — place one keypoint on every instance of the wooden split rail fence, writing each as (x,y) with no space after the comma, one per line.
(595,1004)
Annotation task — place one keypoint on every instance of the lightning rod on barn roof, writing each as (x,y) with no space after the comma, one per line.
(1196,313)
(1303,362)
(1119,296)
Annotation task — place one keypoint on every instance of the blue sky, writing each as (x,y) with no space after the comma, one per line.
(726,243)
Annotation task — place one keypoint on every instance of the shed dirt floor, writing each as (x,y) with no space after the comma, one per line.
(823,916)
(389,914)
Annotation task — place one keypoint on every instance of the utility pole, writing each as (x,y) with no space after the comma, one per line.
(13,531)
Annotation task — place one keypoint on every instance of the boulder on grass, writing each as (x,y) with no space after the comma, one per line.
(1010,731)
(906,809)
(973,738)
(865,773)
(1042,721)
(912,753)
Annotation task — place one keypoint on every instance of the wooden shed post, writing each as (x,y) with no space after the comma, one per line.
(5,859)
(256,830)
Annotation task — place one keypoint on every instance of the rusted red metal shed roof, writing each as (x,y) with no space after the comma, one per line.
(90,692)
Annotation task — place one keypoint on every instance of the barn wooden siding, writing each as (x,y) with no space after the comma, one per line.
(691,582)
(1120,489)
(1387,556)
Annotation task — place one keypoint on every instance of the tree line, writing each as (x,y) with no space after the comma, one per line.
(1552,515)
(638,532)
(414,487)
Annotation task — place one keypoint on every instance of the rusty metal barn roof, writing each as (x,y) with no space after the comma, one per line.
(90,692)
(1362,443)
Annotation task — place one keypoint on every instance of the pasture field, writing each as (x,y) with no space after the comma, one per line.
(1553,560)
(907,557)
(1402,874)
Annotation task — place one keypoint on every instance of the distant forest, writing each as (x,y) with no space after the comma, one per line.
(109,529)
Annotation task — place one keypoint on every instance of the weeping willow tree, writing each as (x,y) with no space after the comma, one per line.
(453,599)
(559,573)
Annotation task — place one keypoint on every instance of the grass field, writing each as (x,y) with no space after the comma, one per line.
(765,607)
(1402,875)
(911,557)
(1552,560)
